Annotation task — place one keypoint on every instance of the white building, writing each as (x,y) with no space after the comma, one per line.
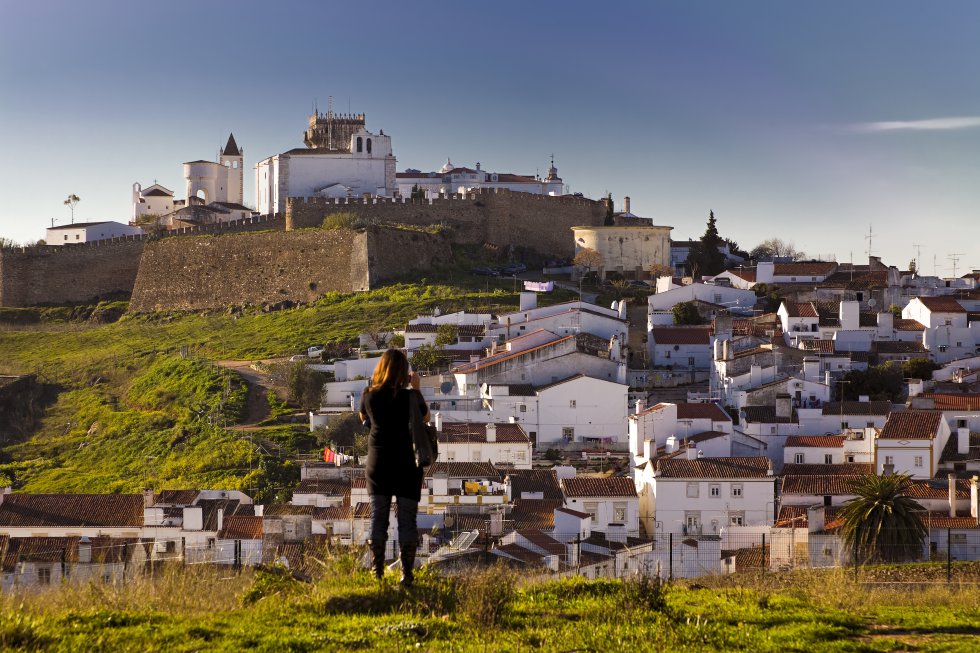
(451,179)
(607,501)
(683,347)
(86,232)
(341,159)
(504,443)
(659,305)
(154,200)
(911,442)
(219,181)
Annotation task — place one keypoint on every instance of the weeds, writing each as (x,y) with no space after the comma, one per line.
(484,596)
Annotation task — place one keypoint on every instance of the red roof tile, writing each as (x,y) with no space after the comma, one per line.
(955,401)
(800,309)
(88,510)
(942,304)
(813,269)
(835,441)
(477,432)
(241,528)
(616,486)
(713,412)
(903,324)
(818,485)
(911,425)
(736,467)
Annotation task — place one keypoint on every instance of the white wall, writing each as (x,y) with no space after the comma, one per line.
(673,504)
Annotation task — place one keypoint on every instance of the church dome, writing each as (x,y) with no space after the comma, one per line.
(447,167)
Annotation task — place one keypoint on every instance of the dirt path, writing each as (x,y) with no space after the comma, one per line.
(258,389)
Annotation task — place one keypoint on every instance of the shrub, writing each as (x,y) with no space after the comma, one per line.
(485,595)
(649,592)
(346,220)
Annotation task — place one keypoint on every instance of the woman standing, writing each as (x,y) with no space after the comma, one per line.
(391,469)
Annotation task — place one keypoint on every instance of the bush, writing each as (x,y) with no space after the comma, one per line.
(485,596)
(648,592)
(345,220)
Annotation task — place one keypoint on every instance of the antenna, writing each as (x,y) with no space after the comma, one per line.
(955,258)
(918,253)
(330,105)
(868,238)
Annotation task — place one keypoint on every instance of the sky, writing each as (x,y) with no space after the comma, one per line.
(820,123)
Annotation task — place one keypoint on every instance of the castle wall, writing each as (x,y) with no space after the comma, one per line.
(397,252)
(502,218)
(69,273)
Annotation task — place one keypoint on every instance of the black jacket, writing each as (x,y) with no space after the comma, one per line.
(391,469)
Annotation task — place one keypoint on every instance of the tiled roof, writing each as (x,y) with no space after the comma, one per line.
(766,415)
(835,441)
(869,408)
(334,513)
(903,324)
(77,225)
(328,487)
(819,485)
(518,552)
(857,280)
(534,513)
(681,335)
(535,480)
(702,411)
(241,528)
(936,488)
(548,386)
(280,509)
(941,519)
(837,469)
(911,425)
(574,513)
(942,305)
(465,470)
(157,192)
(500,357)
(752,557)
(950,452)
(955,401)
(813,269)
(457,432)
(543,541)
(796,517)
(177,497)
(231,147)
(821,345)
(88,510)
(800,309)
(743,273)
(616,486)
(735,467)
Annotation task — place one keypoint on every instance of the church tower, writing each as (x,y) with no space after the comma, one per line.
(232,159)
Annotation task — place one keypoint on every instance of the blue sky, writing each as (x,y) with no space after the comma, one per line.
(813,122)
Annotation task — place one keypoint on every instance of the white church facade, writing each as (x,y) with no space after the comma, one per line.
(341,159)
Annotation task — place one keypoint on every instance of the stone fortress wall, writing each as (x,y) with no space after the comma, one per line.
(215,266)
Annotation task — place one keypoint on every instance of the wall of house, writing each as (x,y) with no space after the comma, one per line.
(599,411)
(673,503)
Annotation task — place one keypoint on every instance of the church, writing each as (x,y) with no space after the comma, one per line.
(341,159)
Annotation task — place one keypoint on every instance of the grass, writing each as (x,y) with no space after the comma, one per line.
(343,609)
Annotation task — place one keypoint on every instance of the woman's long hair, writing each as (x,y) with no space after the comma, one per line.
(391,374)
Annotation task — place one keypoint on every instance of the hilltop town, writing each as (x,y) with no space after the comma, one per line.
(669,408)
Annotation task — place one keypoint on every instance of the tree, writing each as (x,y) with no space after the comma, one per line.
(735,249)
(919,368)
(619,288)
(72,200)
(418,193)
(882,524)
(446,334)
(426,357)
(379,336)
(658,270)
(704,259)
(879,382)
(305,385)
(895,310)
(773,248)
(7,243)
(588,258)
(686,313)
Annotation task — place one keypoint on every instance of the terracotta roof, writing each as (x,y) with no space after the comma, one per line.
(800,309)
(856,280)
(500,357)
(955,401)
(911,425)
(334,513)
(735,467)
(818,485)
(328,487)
(616,486)
(543,541)
(820,345)
(812,269)
(796,517)
(465,470)
(835,441)
(753,557)
(766,415)
(507,432)
(743,273)
(534,513)
(869,408)
(90,510)
(176,497)
(903,324)
(574,513)
(518,552)
(681,335)
(936,488)
(942,304)
(941,519)
(837,469)
(950,452)
(713,412)
(535,480)
(241,528)
(279,509)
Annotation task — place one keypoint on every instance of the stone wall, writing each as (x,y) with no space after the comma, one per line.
(271,267)
(67,274)
(501,218)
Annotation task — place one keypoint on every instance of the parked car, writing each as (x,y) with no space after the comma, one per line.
(315,351)
(485,272)
(516,268)
(639,284)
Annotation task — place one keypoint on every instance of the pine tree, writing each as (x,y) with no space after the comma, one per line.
(704,259)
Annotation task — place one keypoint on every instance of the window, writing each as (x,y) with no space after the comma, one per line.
(210,542)
(693,490)
(736,518)
(476,455)
(66,236)
(520,456)
(571,403)
(849,458)
(736,490)
(889,460)
(918,461)
(942,348)
(692,520)
(592,508)
(568,432)
(44,575)
(360,144)
(369,146)
(522,408)
(798,459)
(619,512)
(772,430)
(843,425)
(957,538)
(828,459)
(714,490)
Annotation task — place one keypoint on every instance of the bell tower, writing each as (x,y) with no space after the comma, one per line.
(232,159)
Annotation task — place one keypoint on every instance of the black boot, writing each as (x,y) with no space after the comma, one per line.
(379,561)
(408,564)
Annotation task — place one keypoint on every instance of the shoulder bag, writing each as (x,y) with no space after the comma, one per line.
(425,438)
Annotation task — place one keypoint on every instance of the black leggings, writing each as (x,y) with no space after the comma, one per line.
(408,509)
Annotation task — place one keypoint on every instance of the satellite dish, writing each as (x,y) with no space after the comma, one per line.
(872,302)
(446,387)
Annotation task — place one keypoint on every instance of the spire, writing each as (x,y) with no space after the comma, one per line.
(231,149)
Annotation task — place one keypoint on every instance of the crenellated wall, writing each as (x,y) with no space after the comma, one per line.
(500,217)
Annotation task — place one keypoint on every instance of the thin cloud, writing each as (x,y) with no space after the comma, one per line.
(931,124)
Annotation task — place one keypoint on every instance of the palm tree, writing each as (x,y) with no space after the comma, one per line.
(881,523)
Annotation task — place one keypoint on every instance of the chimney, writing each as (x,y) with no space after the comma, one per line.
(888,469)
(221,519)
(864,399)
(4,491)
(148,499)
(952,494)
(815,518)
(692,451)
(440,484)
(626,204)
(641,406)
(529,302)
(784,406)
(572,553)
(915,387)
(671,446)
(496,523)
(811,369)
(963,440)
(616,533)
(438,422)
(84,550)
(491,432)
(975,498)
(615,353)
(650,448)
(259,510)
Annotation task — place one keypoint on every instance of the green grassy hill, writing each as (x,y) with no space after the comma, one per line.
(139,401)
